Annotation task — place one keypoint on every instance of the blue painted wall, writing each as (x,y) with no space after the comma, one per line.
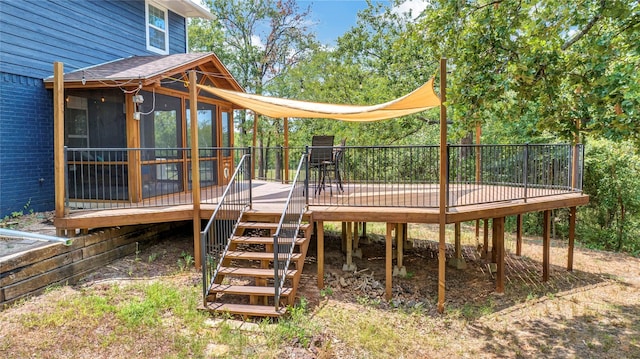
(33,35)
(26,145)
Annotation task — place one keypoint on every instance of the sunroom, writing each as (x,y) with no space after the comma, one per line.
(127,130)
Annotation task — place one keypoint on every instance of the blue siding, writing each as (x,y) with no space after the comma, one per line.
(177,34)
(34,34)
(26,145)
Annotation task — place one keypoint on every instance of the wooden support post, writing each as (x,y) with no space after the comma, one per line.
(134,158)
(477,231)
(485,234)
(254,144)
(356,236)
(494,239)
(286,150)
(458,242)
(349,266)
(443,186)
(399,244)
(519,235)
(498,225)
(58,140)
(399,269)
(457,261)
(344,237)
(320,254)
(389,261)
(572,236)
(546,239)
(195,165)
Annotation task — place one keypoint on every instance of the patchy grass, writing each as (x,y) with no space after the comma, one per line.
(593,312)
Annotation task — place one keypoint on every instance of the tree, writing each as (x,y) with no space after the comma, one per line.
(258,40)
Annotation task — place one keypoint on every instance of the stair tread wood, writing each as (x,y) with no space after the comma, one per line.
(260,240)
(248,290)
(267,225)
(256,255)
(253,272)
(246,309)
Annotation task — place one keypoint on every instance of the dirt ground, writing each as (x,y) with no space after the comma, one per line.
(591,312)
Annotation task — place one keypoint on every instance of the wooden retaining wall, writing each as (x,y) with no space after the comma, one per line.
(31,272)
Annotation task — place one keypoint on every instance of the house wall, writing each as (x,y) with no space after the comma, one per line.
(33,35)
(26,145)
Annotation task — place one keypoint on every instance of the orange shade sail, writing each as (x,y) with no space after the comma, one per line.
(423,98)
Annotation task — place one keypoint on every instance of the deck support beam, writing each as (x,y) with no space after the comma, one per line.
(389,262)
(546,239)
(320,252)
(572,236)
(498,231)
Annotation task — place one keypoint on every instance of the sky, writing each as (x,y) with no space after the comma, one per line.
(334,17)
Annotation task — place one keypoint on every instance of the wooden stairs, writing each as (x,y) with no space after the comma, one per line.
(245,282)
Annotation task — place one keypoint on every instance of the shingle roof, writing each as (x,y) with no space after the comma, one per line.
(144,68)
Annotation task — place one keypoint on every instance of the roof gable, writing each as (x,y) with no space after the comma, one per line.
(147,70)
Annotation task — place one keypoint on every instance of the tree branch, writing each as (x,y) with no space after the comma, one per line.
(586,29)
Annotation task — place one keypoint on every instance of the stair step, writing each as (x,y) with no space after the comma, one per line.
(246,309)
(253,272)
(261,256)
(268,225)
(248,290)
(261,240)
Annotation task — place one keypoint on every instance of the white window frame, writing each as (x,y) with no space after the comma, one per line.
(164,51)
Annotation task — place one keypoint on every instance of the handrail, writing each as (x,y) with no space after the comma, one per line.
(285,237)
(216,236)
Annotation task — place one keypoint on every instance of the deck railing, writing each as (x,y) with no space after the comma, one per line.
(493,173)
(269,162)
(361,176)
(288,228)
(215,237)
(113,178)
(408,176)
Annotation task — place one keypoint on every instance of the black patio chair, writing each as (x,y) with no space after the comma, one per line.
(320,158)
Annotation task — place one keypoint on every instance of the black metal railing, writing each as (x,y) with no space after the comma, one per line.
(113,178)
(288,228)
(270,164)
(386,176)
(496,173)
(408,176)
(216,236)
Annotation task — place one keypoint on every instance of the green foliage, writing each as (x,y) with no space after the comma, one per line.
(296,328)
(612,180)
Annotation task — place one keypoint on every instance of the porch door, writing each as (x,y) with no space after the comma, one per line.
(163,157)
(226,136)
(207,143)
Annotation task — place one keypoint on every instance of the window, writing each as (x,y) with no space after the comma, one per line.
(157,29)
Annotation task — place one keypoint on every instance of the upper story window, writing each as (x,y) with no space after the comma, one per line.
(157,29)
